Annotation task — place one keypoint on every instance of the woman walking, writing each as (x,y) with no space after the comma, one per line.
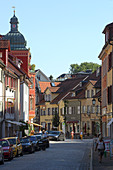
(101,147)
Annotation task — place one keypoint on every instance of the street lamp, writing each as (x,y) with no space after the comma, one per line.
(93,102)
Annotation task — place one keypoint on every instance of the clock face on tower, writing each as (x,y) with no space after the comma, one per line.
(14,26)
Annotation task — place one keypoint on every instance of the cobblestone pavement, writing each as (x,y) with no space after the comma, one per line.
(106,164)
(62,155)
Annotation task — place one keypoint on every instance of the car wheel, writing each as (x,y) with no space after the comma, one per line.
(21,154)
(31,150)
(10,157)
(47,145)
(44,148)
(2,162)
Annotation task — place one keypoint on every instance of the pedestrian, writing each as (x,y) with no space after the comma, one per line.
(101,147)
(81,134)
(72,134)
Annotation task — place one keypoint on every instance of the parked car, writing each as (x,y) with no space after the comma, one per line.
(1,155)
(43,137)
(34,141)
(27,145)
(41,142)
(16,146)
(7,149)
(56,135)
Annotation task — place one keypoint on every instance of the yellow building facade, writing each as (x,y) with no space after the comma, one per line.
(90,114)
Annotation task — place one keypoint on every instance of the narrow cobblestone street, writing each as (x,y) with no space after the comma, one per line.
(67,155)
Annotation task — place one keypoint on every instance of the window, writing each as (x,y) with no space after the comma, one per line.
(0,74)
(98,109)
(62,111)
(110,61)
(88,125)
(41,112)
(92,93)
(110,95)
(56,110)
(104,101)
(78,109)
(31,104)
(83,109)
(44,112)
(88,94)
(49,97)
(88,109)
(70,110)
(53,111)
(93,109)
(104,67)
(48,111)
(32,85)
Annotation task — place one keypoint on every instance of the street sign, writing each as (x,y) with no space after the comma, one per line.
(111,148)
(107,145)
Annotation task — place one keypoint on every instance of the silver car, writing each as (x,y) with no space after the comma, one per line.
(1,155)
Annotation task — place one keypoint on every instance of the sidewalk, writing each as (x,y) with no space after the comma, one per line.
(106,164)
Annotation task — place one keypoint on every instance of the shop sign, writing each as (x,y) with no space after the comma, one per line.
(107,145)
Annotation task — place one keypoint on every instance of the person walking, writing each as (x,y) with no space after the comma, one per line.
(72,134)
(81,134)
(101,147)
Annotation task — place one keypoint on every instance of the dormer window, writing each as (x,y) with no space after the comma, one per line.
(47,97)
(73,94)
(80,84)
(38,77)
(88,94)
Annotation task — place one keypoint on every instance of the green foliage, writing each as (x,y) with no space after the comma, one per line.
(56,120)
(74,68)
(33,67)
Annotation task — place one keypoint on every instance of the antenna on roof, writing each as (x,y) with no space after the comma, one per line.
(14,9)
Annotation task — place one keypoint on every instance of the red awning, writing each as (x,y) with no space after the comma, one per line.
(73,122)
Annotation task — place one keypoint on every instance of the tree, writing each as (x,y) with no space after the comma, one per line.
(56,120)
(74,68)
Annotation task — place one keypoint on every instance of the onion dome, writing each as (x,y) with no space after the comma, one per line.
(17,40)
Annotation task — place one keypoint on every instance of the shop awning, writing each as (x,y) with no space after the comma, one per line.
(72,122)
(15,122)
(35,124)
(110,122)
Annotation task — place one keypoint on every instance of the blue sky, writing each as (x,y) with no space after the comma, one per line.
(60,32)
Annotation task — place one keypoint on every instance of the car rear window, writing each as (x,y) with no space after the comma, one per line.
(12,141)
(32,138)
(4,143)
(24,140)
(38,137)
